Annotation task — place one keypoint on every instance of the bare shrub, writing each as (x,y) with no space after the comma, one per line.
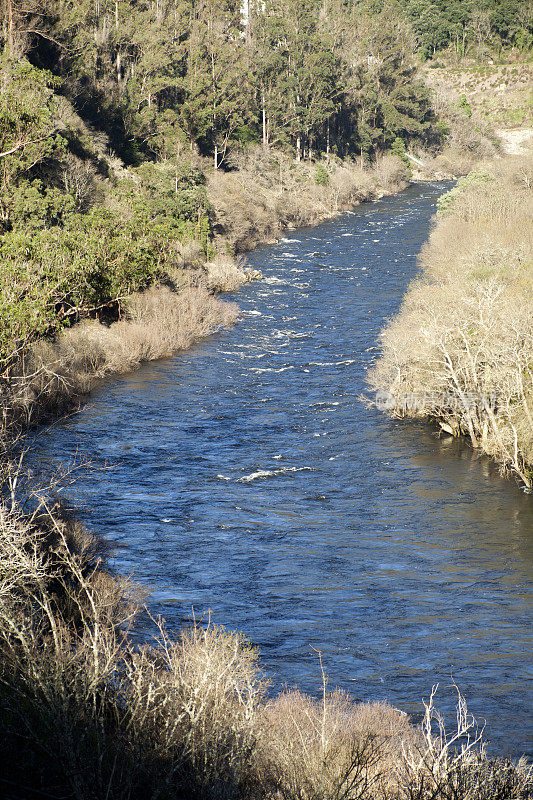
(79,179)
(460,349)
(191,252)
(329,748)
(454,161)
(453,765)
(60,640)
(192,703)
(93,716)
(391,172)
(224,274)
(352,185)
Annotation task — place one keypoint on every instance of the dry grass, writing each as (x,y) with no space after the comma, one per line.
(158,323)
(270,192)
(460,350)
(87,715)
(499,94)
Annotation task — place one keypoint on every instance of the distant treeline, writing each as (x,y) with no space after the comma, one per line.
(468,24)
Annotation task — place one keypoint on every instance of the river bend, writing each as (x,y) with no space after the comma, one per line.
(248,479)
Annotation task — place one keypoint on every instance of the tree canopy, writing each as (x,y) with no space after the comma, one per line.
(158,77)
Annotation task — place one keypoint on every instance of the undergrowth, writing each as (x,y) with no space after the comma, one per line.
(460,350)
(87,714)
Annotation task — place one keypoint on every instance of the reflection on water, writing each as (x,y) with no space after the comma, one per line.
(250,480)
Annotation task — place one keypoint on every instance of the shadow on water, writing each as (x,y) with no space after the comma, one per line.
(248,479)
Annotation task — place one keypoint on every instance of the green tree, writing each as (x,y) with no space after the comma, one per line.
(388,98)
(28,130)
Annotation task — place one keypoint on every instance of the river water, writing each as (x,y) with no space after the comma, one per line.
(248,479)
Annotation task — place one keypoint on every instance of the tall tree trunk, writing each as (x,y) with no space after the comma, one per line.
(264,119)
(119,59)
(245,15)
(9,32)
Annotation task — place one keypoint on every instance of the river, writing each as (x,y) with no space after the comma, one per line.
(248,480)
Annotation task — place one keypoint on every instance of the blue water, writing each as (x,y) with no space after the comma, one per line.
(246,478)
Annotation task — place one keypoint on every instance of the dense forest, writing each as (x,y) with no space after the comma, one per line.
(160,77)
(112,111)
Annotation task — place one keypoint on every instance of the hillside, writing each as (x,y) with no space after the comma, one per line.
(499,94)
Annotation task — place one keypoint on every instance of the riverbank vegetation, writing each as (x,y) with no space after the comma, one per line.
(87,714)
(270,192)
(461,348)
(55,373)
(132,134)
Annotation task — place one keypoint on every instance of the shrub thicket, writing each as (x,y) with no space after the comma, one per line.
(54,373)
(460,349)
(85,714)
(269,192)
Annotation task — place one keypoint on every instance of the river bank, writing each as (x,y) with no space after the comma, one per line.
(252,206)
(86,714)
(459,352)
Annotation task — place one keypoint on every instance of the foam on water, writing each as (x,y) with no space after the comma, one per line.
(270,473)
(260,370)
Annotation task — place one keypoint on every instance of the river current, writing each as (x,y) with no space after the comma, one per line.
(248,480)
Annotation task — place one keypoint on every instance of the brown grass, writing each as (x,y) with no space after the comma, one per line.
(225,274)
(270,192)
(158,323)
(460,350)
